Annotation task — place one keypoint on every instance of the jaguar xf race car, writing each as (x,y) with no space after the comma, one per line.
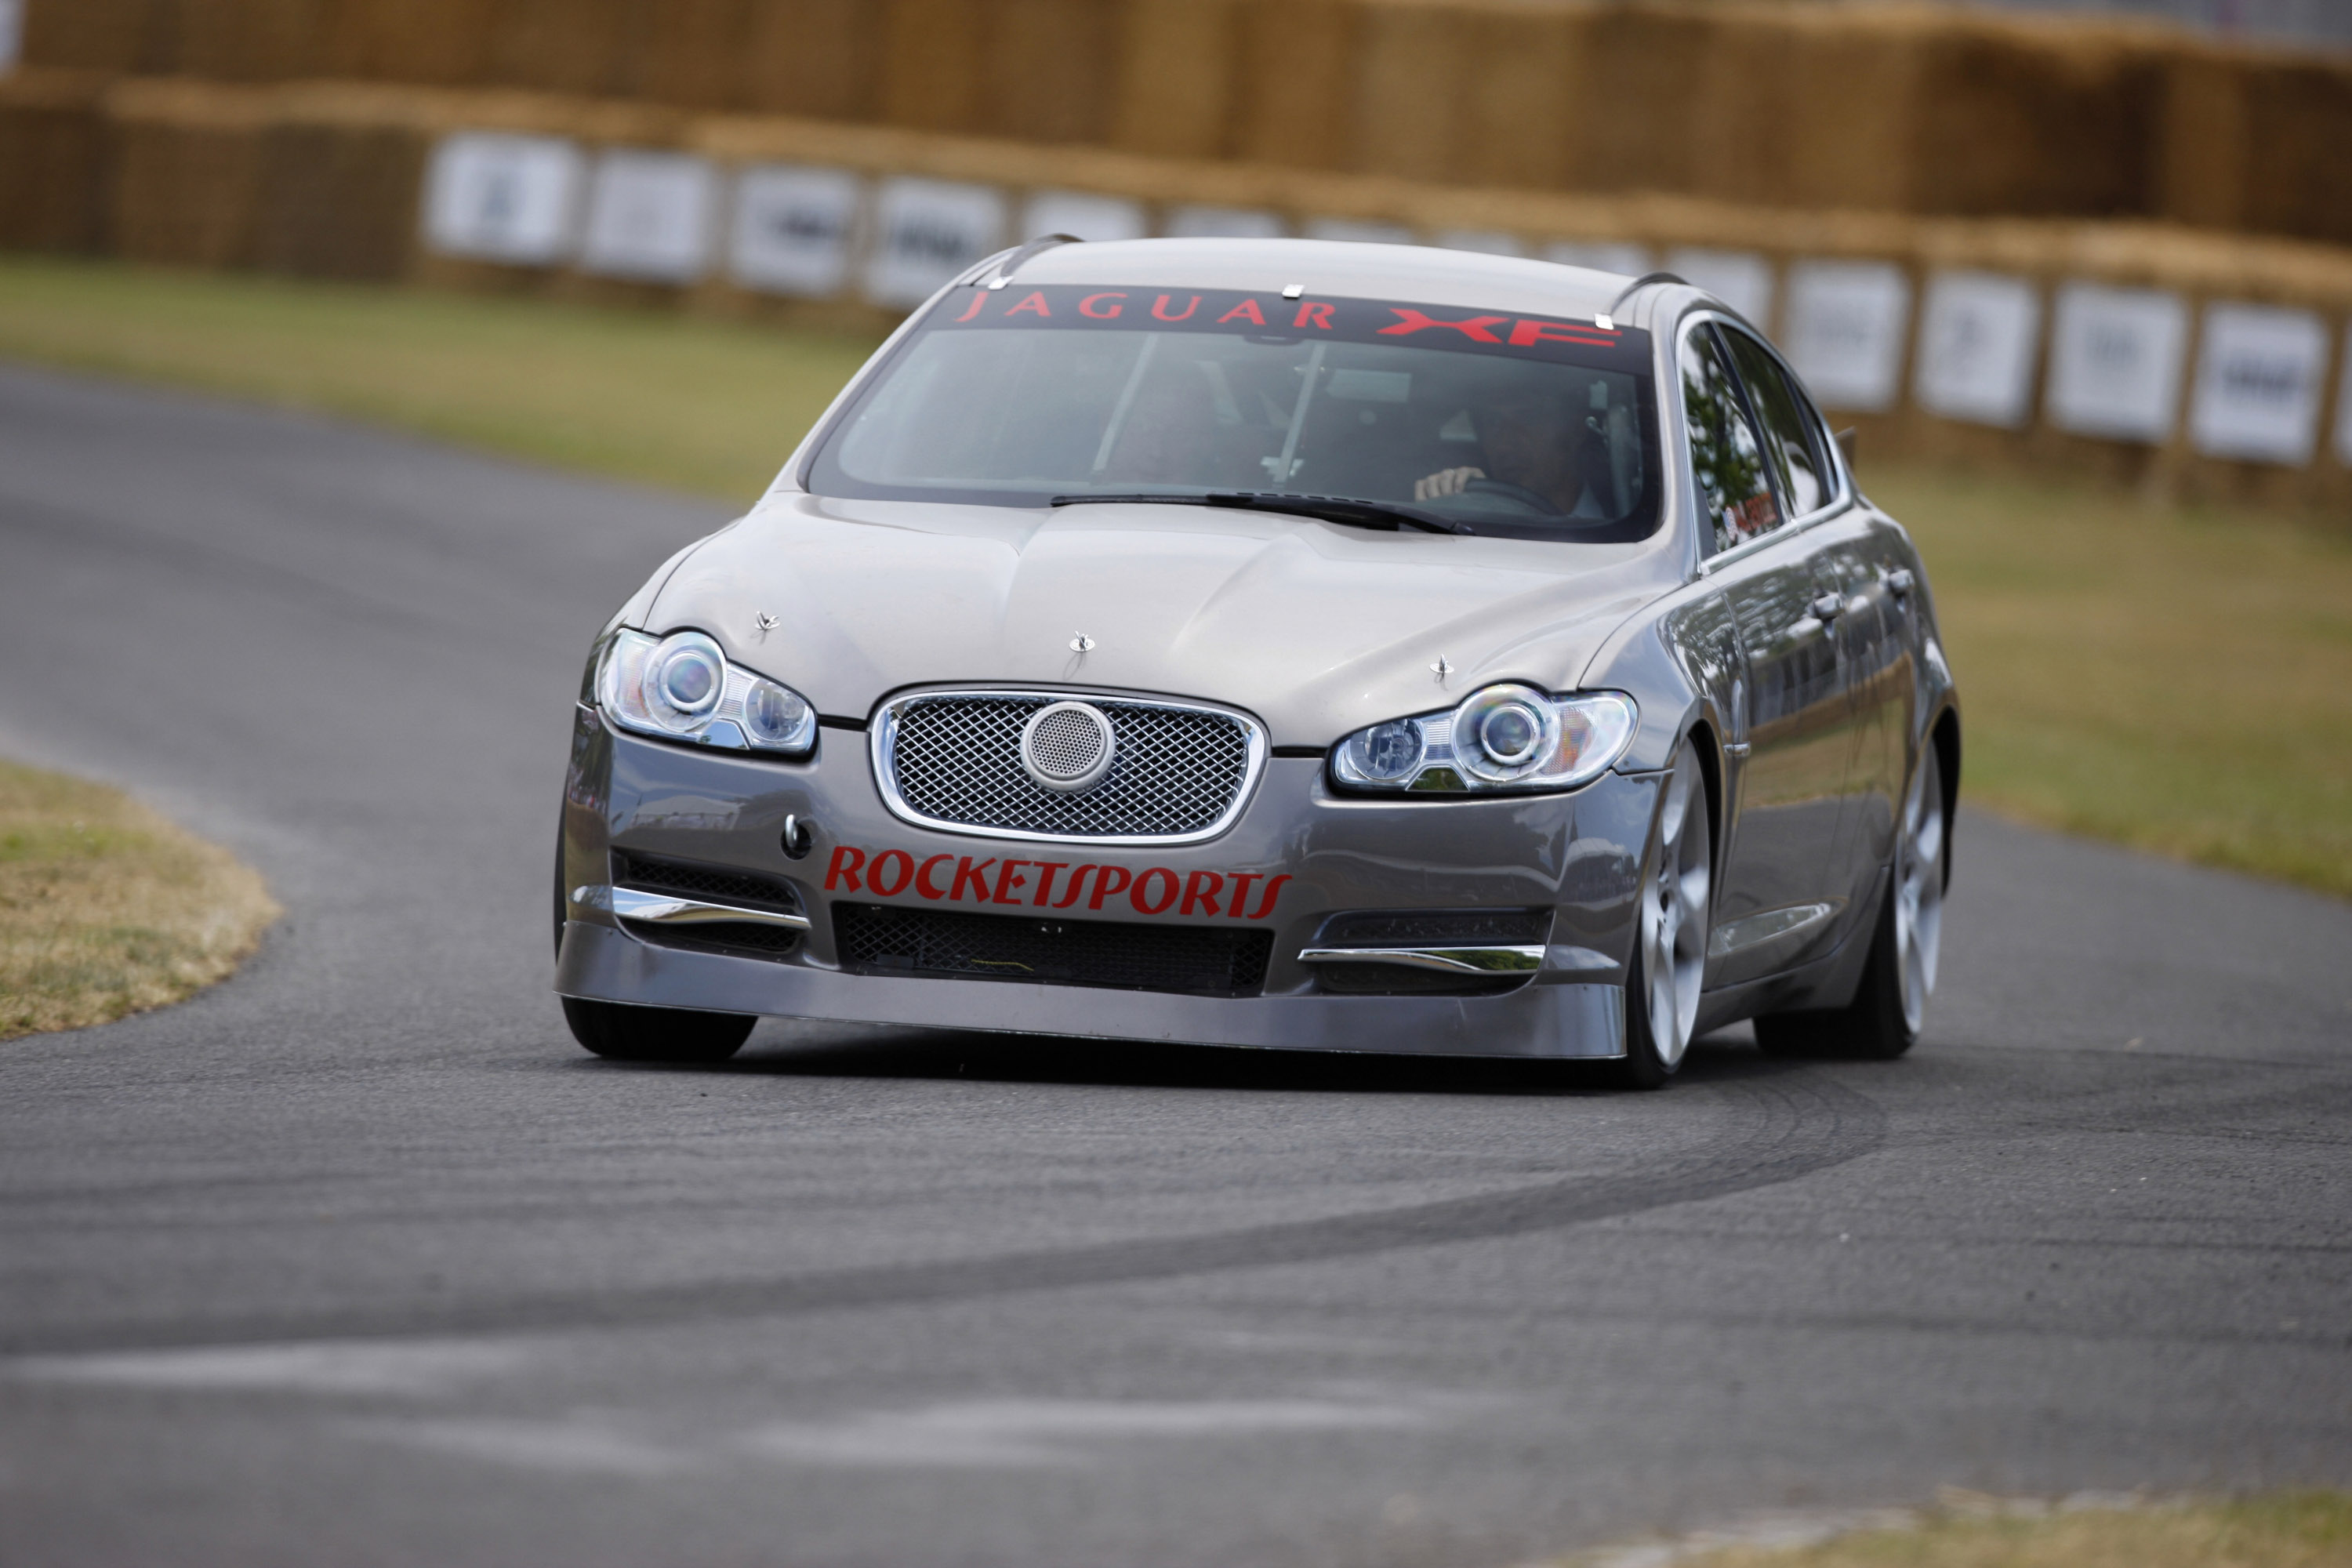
(1280,644)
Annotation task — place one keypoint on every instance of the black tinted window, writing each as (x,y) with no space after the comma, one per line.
(1727,459)
(1790,432)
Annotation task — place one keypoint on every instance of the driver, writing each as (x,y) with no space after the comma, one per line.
(1530,437)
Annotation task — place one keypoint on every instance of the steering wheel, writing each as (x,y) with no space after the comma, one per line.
(1511,492)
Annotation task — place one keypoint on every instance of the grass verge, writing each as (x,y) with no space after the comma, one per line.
(2304,1529)
(106,910)
(2176,678)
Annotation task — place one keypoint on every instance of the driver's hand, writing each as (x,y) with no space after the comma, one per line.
(1446,482)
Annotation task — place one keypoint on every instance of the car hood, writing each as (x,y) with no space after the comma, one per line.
(1316,627)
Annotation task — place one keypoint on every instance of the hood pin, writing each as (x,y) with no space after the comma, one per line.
(1441,669)
(1082,644)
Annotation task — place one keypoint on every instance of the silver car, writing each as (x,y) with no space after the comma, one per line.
(1285,644)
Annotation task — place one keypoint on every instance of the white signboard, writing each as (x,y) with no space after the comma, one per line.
(2344,407)
(1977,338)
(1086,217)
(1846,326)
(791,230)
(1484,242)
(2259,375)
(11,34)
(1602,256)
(1741,278)
(651,216)
(1359,231)
(496,197)
(1225,222)
(927,231)
(2115,361)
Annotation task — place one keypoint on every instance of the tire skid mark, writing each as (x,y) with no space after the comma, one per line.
(1792,1123)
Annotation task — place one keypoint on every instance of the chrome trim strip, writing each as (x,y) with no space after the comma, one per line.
(1447,960)
(883,732)
(662,908)
(1772,925)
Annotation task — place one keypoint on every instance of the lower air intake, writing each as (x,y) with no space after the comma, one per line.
(1192,961)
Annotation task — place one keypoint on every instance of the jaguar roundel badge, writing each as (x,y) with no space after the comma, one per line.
(1066,746)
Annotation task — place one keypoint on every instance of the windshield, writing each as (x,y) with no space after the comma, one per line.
(1494,422)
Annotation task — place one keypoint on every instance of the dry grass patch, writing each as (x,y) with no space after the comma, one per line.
(108,909)
(2305,1530)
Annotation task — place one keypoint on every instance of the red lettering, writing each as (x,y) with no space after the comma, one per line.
(844,869)
(1240,892)
(923,878)
(1410,320)
(1035,305)
(1201,890)
(1087,307)
(1010,880)
(1045,881)
(1104,887)
(979,298)
(1144,881)
(1314,315)
(1077,882)
(1265,904)
(1246,311)
(1527,334)
(905,872)
(1164,316)
(973,877)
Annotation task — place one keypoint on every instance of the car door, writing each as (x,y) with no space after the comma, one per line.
(1857,557)
(1781,887)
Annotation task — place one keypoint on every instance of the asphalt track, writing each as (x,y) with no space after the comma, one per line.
(358,1259)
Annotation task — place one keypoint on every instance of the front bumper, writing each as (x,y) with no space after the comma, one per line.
(1315,853)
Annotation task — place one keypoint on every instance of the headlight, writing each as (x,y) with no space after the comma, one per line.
(682,686)
(1507,737)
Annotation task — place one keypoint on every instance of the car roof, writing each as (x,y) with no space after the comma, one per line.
(1350,270)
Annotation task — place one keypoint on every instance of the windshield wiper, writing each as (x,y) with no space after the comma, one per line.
(1343,509)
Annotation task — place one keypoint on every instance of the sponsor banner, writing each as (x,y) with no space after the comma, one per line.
(495,198)
(1600,255)
(2115,359)
(2259,373)
(1079,308)
(1086,217)
(927,231)
(1741,278)
(1846,322)
(1064,886)
(1978,334)
(791,230)
(1225,222)
(651,216)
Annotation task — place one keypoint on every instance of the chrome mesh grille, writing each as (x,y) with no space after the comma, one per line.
(957,759)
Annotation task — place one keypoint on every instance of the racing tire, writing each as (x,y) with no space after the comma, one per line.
(627,1033)
(1890,1007)
(1672,920)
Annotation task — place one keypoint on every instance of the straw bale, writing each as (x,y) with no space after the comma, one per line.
(691,52)
(1294,82)
(931,51)
(428,42)
(1636,131)
(562,45)
(2202,156)
(87,35)
(1416,66)
(1175,80)
(341,178)
(251,40)
(187,171)
(2298,166)
(1833,109)
(1049,70)
(1518,126)
(815,58)
(52,160)
(2037,122)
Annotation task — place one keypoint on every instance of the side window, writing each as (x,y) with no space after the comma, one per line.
(1727,459)
(1791,429)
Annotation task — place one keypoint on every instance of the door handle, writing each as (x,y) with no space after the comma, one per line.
(1827,606)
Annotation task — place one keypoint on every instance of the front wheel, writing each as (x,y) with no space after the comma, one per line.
(627,1033)
(1890,1007)
(1671,924)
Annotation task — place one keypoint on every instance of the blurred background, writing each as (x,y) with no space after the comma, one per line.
(2079,274)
